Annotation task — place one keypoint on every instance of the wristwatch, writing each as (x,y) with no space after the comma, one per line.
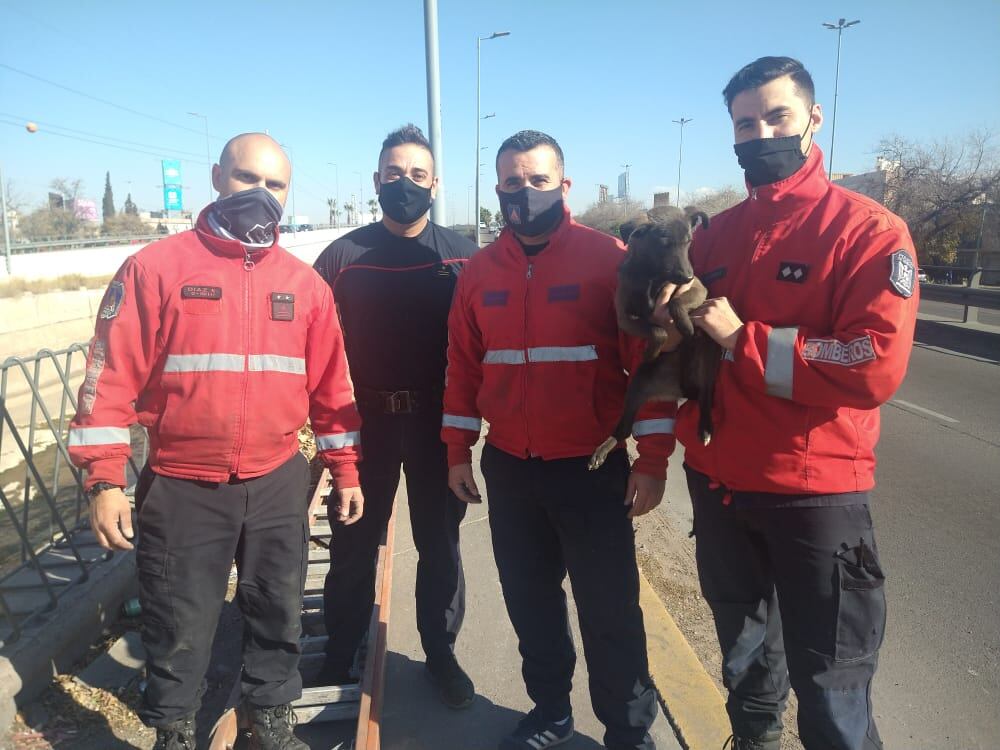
(99,487)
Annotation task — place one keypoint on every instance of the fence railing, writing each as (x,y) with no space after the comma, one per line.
(972,297)
(45,543)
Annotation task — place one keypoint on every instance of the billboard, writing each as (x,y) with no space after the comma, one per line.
(171,171)
(623,185)
(172,199)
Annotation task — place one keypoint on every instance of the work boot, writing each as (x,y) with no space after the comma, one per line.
(454,687)
(272,728)
(178,735)
(769,741)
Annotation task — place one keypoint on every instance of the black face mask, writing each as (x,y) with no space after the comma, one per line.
(768,160)
(403,200)
(531,212)
(250,216)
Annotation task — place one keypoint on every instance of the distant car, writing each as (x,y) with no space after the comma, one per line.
(284,228)
(922,276)
(305,227)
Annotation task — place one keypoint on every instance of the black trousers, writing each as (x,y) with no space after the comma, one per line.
(388,442)
(548,518)
(821,565)
(190,533)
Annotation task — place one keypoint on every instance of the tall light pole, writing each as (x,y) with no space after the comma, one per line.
(208,153)
(840,26)
(438,210)
(336,176)
(680,156)
(6,229)
(479,42)
(361,201)
(295,214)
(625,206)
(468,206)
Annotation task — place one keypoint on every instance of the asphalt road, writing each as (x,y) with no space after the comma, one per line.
(954,312)
(937,516)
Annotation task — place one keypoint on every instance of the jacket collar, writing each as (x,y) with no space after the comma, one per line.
(227,247)
(806,186)
(509,243)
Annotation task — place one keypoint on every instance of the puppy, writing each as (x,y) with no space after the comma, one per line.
(658,255)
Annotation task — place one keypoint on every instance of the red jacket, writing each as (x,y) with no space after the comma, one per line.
(825,282)
(534,349)
(222,365)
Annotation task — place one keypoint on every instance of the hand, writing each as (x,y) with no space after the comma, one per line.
(109,510)
(717,318)
(661,315)
(643,493)
(463,484)
(350,505)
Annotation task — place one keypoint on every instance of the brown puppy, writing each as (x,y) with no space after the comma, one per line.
(658,255)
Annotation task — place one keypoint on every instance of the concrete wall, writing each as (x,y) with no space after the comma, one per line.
(55,319)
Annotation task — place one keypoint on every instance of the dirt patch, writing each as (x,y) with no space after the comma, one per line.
(666,555)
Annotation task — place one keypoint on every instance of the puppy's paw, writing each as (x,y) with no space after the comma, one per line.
(601,454)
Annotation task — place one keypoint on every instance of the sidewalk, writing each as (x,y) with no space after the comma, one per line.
(414,719)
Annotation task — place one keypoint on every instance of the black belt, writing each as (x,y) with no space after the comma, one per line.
(396,402)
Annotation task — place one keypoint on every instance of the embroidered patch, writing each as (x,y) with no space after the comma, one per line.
(442,271)
(98,356)
(201,292)
(111,305)
(904,273)
(839,352)
(496,298)
(567,293)
(282,306)
(796,273)
(718,273)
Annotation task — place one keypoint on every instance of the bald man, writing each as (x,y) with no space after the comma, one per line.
(220,344)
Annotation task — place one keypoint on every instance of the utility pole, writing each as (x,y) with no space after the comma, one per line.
(626,188)
(6,228)
(840,26)
(434,107)
(479,42)
(680,155)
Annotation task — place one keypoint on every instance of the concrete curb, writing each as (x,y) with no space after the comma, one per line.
(65,635)
(690,698)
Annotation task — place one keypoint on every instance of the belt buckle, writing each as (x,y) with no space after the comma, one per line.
(399,402)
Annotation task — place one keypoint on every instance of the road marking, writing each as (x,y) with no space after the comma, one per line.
(914,407)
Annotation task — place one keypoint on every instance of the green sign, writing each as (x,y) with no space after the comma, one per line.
(172,199)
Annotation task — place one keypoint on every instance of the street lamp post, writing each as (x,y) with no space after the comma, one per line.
(680,156)
(438,209)
(361,202)
(336,175)
(479,42)
(839,26)
(295,214)
(6,228)
(625,206)
(208,153)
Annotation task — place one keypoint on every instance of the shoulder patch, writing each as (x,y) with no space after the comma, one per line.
(111,305)
(846,353)
(903,274)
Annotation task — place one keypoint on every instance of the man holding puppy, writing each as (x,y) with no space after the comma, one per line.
(534,349)
(814,300)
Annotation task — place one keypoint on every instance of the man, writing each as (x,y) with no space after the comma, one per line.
(535,351)
(394,281)
(220,343)
(814,303)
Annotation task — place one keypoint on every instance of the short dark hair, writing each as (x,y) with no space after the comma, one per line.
(527,140)
(409,133)
(766,69)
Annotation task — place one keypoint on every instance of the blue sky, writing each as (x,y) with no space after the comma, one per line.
(331,78)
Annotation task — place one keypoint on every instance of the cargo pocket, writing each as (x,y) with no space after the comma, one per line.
(157,617)
(861,603)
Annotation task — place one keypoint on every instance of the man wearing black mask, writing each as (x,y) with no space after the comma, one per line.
(814,300)
(394,282)
(221,344)
(536,351)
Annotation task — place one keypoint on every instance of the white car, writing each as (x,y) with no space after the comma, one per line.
(922,276)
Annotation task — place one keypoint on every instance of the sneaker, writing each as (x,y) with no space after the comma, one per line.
(769,741)
(454,687)
(178,735)
(272,728)
(535,733)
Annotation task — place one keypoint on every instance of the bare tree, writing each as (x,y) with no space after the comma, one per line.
(608,217)
(940,189)
(69,190)
(717,201)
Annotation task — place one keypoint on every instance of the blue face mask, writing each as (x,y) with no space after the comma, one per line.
(530,212)
(250,216)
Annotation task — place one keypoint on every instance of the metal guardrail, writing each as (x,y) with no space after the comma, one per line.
(79,243)
(972,297)
(45,543)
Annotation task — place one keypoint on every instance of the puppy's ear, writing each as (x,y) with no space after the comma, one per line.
(697,217)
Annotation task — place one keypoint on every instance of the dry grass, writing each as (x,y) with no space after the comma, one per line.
(19,287)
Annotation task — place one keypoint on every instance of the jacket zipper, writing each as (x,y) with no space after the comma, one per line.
(524,401)
(248,266)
